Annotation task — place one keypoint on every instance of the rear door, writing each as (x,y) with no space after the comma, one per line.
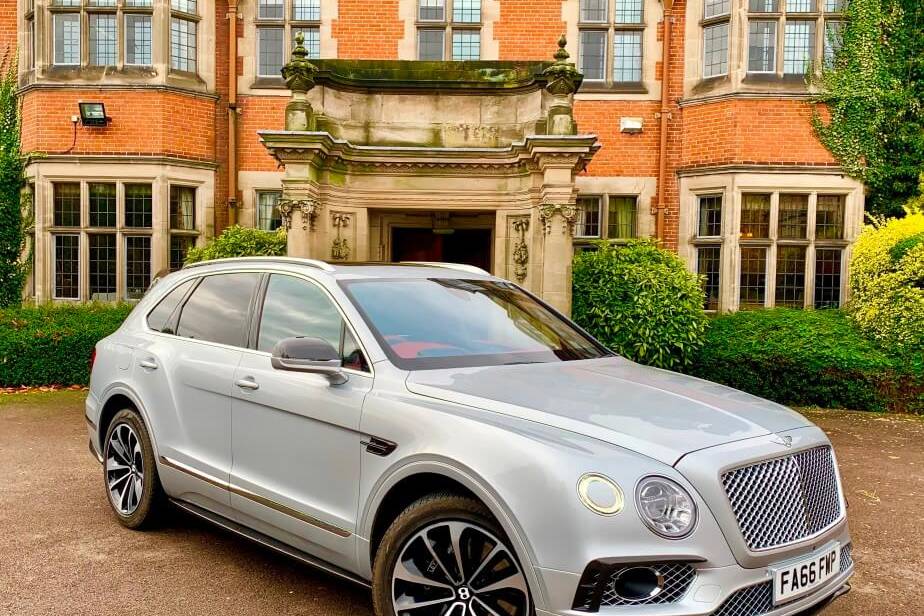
(197,363)
(295,437)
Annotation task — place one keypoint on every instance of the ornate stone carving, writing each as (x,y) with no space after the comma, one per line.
(340,247)
(568,213)
(564,79)
(520,248)
(299,72)
(308,207)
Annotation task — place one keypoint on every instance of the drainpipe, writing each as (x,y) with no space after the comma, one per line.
(665,115)
(232,113)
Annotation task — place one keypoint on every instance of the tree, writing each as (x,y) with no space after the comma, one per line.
(12,166)
(874,93)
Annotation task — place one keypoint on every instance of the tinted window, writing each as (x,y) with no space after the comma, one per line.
(294,307)
(218,309)
(160,316)
(450,323)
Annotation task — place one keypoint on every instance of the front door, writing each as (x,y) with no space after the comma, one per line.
(469,246)
(295,436)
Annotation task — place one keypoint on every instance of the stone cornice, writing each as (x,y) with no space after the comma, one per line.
(121,160)
(111,87)
(819,169)
(727,96)
(533,153)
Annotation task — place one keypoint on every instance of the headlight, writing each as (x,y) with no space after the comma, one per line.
(666,507)
(600,494)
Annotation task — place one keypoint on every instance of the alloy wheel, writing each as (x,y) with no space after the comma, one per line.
(455,568)
(124,469)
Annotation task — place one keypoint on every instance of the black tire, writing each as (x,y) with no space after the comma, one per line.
(151,505)
(431,509)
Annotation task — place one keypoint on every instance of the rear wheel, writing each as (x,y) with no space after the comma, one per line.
(445,555)
(130,472)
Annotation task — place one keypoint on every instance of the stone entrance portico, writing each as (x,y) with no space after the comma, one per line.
(371,145)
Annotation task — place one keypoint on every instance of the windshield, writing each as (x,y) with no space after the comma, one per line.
(451,323)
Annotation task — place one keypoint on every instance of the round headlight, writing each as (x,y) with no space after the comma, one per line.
(600,494)
(666,507)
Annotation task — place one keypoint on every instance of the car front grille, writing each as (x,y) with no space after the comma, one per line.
(784,500)
(677,580)
(757,600)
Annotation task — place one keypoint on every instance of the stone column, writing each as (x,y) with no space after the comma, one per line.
(557,216)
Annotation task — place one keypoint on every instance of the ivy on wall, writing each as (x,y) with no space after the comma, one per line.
(12,165)
(874,92)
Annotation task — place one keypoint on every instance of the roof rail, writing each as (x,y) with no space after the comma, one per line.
(321,265)
(462,267)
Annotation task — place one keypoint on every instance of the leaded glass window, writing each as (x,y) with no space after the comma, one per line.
(792,220)
(828,277)
(710,216)
(621,218)
(753,280)
(593,54)
(137,265)
(762,46)
(102,267)
(67,266)
(183,44)
(102,199)
(183,207)
(715,50)
(103,39)
(268,217)
(708,265)
(466,45)
(798,46)
(67,205)
(138,205)
(588,217)
(790,276)
(829,217)
(138,40)
(627,56)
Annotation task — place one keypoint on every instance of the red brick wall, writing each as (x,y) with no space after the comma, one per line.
(258,113)
(368,29)
(528,29)
(7,27)
(150,123)
(621,154)
(745,131)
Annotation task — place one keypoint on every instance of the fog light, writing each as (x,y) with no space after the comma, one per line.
(638,583)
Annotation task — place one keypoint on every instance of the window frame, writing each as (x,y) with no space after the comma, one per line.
(191,20)
(818,17)
(610,28)
(585,242)
(256,209)
(257,317)
(188,234)
(84,10)
(289,26)
(449,26)
(712,21)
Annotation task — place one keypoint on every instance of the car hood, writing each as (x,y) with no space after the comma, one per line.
(657,413)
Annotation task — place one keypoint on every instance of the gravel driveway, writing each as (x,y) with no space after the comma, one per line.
(62,553)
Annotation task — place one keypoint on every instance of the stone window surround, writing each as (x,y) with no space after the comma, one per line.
(737,78)
(603,201)
(611,27)
(37,16)
(448,25)
(642,188)
(650,88)
(247,44)
(161,177)
(732,187)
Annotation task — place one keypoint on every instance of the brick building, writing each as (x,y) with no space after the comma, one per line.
(698,107)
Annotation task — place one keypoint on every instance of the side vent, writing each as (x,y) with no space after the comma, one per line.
(379,446)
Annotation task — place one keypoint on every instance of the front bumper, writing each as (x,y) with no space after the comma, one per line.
(715,591)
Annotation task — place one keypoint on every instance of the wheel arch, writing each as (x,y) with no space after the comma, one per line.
(115,399)
(418,478)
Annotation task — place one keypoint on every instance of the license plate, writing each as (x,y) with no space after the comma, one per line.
(802,577)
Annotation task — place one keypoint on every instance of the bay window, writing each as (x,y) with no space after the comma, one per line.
(783,35)
(88,32)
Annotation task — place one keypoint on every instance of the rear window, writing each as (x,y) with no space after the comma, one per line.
(159,318)
(219,309)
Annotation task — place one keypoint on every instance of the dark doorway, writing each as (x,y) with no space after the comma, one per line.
(470,246)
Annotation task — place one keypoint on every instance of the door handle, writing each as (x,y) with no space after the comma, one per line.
(148,364)
(247,383)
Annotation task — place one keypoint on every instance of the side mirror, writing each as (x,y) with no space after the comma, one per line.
(313,355)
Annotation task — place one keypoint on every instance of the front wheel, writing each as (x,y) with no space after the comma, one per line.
(445,555)
(130,473)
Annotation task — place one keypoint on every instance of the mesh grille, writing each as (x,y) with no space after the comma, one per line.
(677,580)
(846,557)
(784,500)
(750,601)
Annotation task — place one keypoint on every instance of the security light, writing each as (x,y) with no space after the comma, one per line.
(93,114)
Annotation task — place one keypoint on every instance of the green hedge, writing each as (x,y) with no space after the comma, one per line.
(808,357)
(51,345)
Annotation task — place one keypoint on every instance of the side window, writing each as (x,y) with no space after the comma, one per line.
(159,318)
(218,310)
(294,307)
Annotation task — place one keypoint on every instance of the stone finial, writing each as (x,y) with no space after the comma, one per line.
(299,72)
(563,81)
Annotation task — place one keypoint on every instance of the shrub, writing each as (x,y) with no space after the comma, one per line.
(808,357)
(240,241)
(12,269)
(887,282)
(52,344)
(640,301)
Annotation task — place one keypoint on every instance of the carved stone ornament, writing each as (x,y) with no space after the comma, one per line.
(568,214)
(340,248)
(308,207)
(520,249)
(299,72)
(563,75)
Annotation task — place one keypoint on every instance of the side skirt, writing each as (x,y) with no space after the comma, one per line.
(269,542)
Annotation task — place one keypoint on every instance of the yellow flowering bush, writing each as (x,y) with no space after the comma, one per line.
(887,281)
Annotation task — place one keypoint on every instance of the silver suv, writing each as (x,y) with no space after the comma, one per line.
(446,438)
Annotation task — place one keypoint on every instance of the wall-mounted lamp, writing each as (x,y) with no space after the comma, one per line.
(630,125)
(93,114)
